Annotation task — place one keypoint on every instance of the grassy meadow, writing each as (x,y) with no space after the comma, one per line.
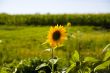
(26,41)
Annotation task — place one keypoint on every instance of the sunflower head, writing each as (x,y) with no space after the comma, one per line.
(56,35)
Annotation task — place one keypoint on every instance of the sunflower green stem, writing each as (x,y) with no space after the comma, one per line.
(52,53)
(53,58)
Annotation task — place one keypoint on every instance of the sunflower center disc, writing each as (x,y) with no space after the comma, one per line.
(56,35)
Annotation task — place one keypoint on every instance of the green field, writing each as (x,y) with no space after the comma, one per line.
(26,41)
(23,42)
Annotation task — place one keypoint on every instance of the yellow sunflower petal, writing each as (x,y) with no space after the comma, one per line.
(56,35)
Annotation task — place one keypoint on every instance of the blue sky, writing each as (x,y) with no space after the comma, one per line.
(54,6)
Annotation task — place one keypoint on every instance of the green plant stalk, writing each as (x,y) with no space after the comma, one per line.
(52,58)
(52,53)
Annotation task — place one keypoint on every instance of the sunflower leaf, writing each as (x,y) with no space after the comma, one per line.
(53,61)
(107,55)
(90,59)
(75,56)
(41,66)
(71,67)
(102,66)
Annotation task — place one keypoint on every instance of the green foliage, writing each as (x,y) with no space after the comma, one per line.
(107,56)
(75,61)
(31,65)
(103,66)
(28,66)
(75,56)
(88,65)
(9,68)
(90,59)
(77,65)
(50,19)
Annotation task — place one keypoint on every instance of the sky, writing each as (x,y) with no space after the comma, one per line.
(54,6)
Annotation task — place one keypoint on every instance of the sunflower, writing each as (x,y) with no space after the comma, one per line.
(56,35)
